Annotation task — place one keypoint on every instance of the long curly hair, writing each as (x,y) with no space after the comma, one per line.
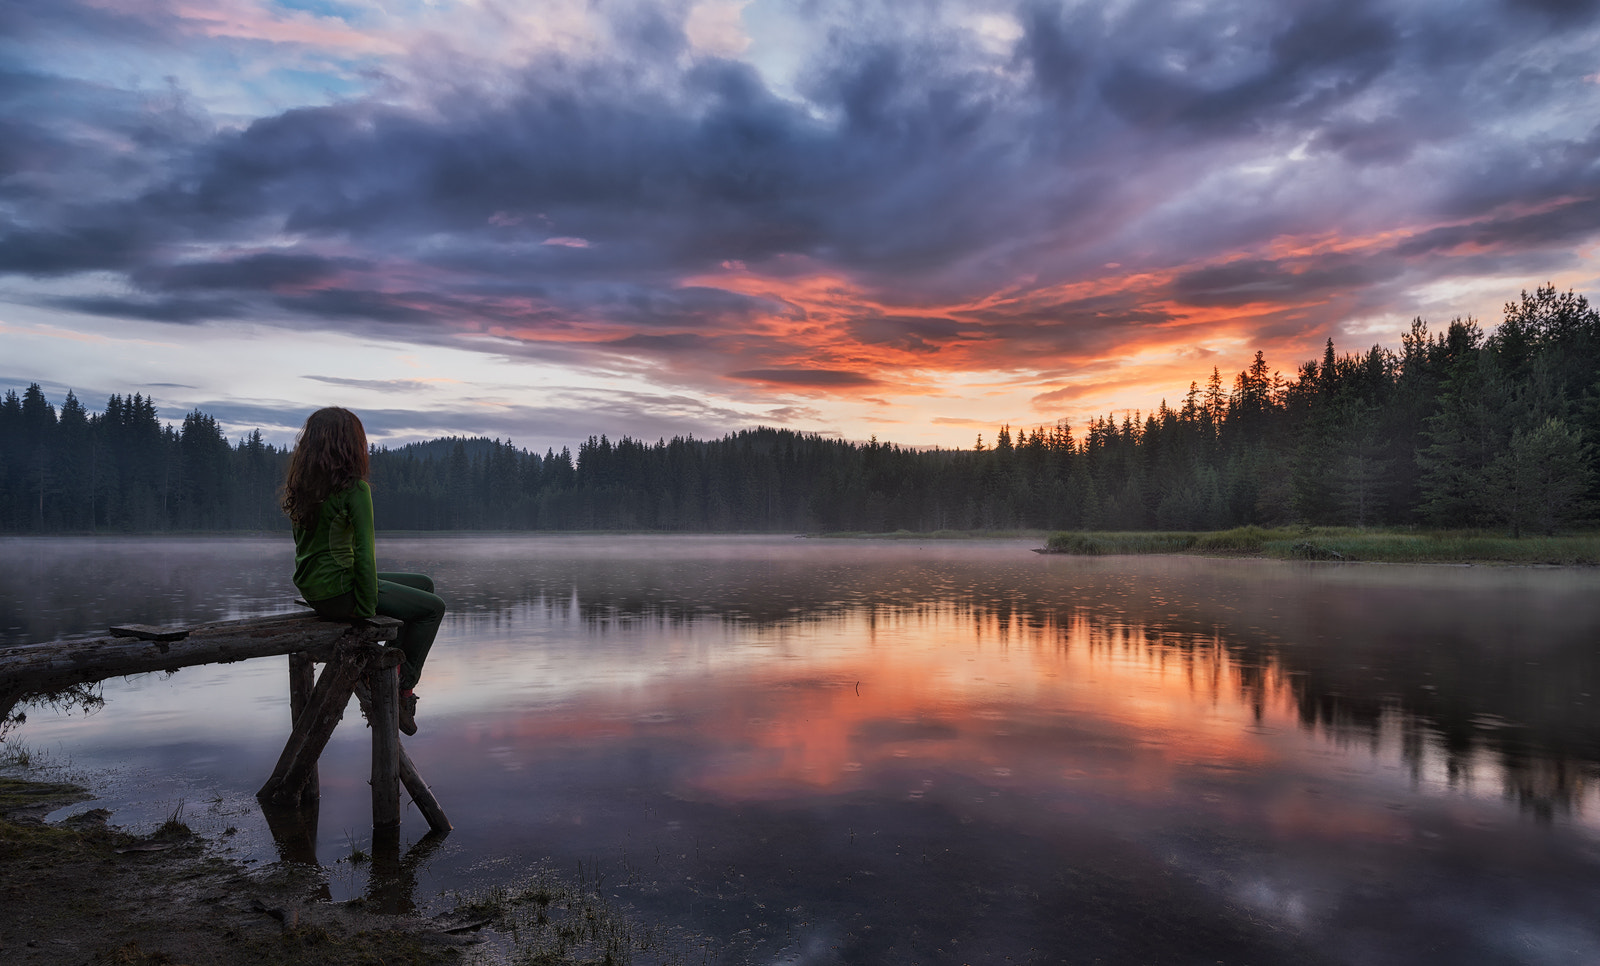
(330,454)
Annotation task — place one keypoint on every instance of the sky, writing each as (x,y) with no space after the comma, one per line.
(910,219)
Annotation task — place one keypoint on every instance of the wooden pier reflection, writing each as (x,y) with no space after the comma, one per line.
(355,663)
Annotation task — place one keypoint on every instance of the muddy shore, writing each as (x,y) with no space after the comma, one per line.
(84,892)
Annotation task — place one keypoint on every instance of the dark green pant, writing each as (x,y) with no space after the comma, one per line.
(406,597)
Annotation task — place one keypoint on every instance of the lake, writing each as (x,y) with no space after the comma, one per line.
(782,750)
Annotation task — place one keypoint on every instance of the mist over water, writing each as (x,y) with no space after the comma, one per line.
(888,751)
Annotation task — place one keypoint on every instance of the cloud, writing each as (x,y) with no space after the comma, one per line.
(1563,12)
(379,385)
(265,271)
(893,194)
(806,378)
(176,310)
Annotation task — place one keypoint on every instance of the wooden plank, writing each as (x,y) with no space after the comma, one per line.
(55,664)
(383,689)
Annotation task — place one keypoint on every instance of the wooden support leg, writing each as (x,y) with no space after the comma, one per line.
(294,832)
(388,891)
(315,726)
(421,794)
(302,679)
(383,690)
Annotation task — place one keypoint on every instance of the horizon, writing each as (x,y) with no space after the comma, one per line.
(657,219)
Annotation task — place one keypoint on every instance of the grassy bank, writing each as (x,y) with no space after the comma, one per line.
(1341,543)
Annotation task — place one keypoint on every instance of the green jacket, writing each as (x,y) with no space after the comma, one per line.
(338,556)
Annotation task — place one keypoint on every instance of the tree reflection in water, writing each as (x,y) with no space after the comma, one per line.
(888,737)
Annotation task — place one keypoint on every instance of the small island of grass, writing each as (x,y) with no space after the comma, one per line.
(1340,543)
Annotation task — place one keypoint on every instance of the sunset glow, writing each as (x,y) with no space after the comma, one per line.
(656,219)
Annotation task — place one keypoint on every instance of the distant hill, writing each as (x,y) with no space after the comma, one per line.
(440,449)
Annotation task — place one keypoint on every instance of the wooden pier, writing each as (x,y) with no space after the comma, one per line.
(355,662)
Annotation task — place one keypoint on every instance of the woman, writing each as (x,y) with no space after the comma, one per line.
(335,563)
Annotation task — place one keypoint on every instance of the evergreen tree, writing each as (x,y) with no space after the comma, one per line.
(1463,436)
(1539,482)
(1456,429)
(38,432)
(73,457)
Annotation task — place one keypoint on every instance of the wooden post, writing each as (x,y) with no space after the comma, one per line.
(315,726)
(383,689)
(294,831)
(422,795)
(302,679)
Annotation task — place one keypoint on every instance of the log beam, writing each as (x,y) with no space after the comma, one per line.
(38,668)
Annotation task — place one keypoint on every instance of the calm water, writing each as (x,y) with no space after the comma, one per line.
(895,752)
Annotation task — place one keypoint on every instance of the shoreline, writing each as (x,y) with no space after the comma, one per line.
(82,890)
(1340,544)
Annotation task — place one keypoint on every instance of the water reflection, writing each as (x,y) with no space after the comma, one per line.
(394,864)
(856,752)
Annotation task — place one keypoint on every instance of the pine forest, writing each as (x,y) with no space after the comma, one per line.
(1459,428)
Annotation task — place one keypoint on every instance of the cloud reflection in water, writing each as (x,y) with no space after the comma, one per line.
(961,751)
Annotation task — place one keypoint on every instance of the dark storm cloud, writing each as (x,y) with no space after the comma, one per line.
(681,306)
(177,310)
(620,167)
(1045,309)
(1321,55)
(806,378)
(910,333)
(624,200)
(1572,220)
(265,271)
(66,252)
(31,20)
(1380,141)
(1252,282)
(357,304)
(1563,12)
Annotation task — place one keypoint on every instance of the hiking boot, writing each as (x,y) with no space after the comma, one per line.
(408,713)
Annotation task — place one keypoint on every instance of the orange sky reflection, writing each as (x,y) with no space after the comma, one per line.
(943,688)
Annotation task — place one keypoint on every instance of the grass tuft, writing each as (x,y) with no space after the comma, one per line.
(560,923)
(174,827)
(15,755)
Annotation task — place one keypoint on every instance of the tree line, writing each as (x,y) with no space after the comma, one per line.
(1458,428)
